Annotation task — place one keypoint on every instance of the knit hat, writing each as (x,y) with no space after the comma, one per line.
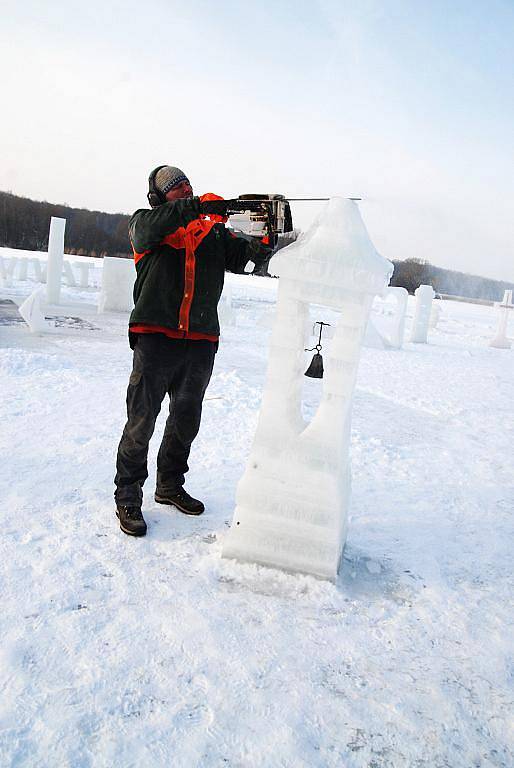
(168,177)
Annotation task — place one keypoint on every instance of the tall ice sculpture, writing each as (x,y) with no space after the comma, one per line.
(292,501)
(55,259)
(421,322)
(501,340)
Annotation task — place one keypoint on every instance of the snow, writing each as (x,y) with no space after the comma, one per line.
(157,652)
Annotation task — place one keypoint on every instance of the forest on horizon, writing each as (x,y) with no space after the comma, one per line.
(24,224)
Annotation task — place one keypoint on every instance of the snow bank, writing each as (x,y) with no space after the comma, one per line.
(158,653)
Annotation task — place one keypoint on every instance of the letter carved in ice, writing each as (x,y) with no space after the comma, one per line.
(419,331)
(501,341)
(397,327)
(292,501)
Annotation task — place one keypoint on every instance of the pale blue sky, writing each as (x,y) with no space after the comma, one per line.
(407,104)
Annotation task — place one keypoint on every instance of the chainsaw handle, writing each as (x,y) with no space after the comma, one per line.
(240,206)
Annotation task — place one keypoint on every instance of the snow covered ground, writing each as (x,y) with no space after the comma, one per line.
(155,652)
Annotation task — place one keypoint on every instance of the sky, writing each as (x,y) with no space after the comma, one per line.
(408,104)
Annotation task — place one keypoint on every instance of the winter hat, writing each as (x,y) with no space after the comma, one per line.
(168,177)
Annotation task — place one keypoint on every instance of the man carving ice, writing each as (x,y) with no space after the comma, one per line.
(181,251)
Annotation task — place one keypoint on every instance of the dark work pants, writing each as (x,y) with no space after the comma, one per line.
(182,369)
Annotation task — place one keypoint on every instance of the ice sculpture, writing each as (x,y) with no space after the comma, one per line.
(68,274)
(424,295)
(501,341)
(23,270)
(55,259)
(118,276)
(83,268)
(7,272)
(389,335)
(226,313)
(374,338)
(435,314)
(38,272)
(397,327)
(293,498)
(32,312)
(19,266)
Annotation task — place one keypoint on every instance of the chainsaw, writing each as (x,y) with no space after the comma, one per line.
(267,217)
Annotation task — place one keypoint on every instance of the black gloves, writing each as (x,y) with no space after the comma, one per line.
(259,253)
(215,207)
(261,260)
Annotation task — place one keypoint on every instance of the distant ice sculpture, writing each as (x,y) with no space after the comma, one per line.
(501,341)
(293,498)
(391,335)
(32,312)
(226,313)
(118,276)
(68,274)
(55,259)
(38,272)
(23,269)
(397,327)
(435,314)
(424,296)
(7,271)
(83,268)
(373,337)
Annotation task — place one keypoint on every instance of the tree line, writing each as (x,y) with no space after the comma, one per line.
(25,223)
(412,273)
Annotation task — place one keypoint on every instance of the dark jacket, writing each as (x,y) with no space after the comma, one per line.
(181,259)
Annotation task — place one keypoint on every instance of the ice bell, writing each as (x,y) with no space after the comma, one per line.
(315,369)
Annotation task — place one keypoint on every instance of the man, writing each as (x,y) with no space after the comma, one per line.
(181,250)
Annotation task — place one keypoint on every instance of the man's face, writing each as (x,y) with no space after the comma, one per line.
(183,189)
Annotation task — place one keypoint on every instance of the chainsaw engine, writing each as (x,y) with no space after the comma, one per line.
(266,217)
(269,219)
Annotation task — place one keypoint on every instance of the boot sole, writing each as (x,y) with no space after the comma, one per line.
(162,500)
(130,533)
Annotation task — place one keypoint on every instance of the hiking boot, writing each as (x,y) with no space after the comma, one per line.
(181,500)
(131,520)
